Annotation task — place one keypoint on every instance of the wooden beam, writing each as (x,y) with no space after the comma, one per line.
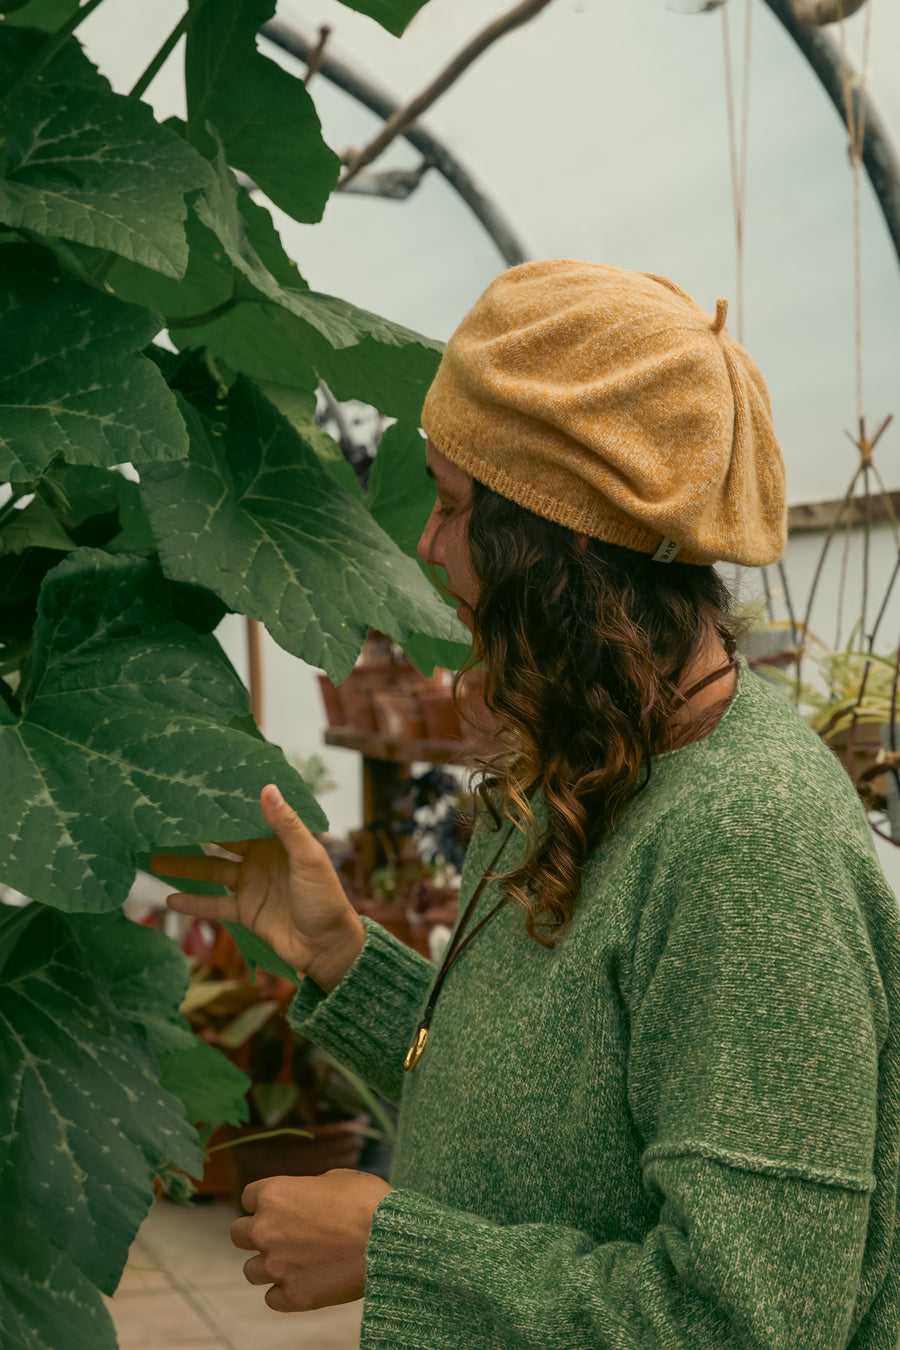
(817,517)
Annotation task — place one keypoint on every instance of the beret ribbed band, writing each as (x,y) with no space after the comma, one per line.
(610,402)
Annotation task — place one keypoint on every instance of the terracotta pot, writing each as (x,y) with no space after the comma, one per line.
(331,698)
(399,714)
(866,745)
(441,717)
(218,1173)
(286,1155)
(358,708)
(360,686)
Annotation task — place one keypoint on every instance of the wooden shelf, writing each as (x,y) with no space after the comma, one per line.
(395,750)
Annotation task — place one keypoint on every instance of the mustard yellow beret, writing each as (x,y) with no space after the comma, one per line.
(610,402)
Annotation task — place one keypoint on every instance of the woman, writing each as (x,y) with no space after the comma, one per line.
(651,1100)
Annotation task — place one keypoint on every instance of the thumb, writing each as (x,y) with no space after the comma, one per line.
(283,819)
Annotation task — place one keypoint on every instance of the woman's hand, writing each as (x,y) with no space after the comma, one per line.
(285,889)
(311,1234)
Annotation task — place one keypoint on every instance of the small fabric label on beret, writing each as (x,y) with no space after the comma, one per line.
(667,551)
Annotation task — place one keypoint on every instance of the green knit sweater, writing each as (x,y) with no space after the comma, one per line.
(681,1128)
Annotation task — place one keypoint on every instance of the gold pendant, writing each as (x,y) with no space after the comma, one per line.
(414,1054)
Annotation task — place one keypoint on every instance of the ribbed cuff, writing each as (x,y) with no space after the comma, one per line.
(369,1018)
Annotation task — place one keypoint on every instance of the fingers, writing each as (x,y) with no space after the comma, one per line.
(238,846)
(223,908)
(240,1234)
(200,868)
(278,1300)
(249,1198)
(255,1271)
(283,819)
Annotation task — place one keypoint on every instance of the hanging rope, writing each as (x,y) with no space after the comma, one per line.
(738,153)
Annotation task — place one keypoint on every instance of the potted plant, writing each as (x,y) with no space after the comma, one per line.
(850,708)
(308,1114)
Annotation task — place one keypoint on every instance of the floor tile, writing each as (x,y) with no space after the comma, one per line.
(190,1250)
(193,1244)
(184,1345)
(251,1324)
(159,1318)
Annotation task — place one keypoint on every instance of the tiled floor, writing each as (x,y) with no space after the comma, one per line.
(184,1289)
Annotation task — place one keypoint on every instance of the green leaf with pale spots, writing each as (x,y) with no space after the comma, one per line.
(72,381)
(125,744)
(84,1123)
(256,518)
(147,975)
(45,1300)
(97,168)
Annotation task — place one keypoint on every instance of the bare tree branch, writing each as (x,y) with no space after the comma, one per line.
(317,53)
(485,210)
(404,117)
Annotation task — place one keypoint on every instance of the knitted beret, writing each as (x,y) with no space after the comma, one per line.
(610,402)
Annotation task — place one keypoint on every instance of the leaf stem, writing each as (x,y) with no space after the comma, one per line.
(251,1138)
(48,50)
(160,58)
(198,320)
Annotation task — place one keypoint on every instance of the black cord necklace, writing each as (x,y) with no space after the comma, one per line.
(414,1054)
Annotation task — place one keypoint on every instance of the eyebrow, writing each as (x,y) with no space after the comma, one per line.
(429,470)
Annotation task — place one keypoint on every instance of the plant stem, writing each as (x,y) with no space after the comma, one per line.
(405,117)
(251,1138)
(198,320)
(160,58)
(46,53)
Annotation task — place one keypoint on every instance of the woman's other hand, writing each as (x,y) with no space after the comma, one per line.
(284,889)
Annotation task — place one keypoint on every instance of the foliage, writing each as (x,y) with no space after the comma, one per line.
(159,360)
(854,686)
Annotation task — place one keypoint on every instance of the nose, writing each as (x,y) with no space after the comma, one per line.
(426,542)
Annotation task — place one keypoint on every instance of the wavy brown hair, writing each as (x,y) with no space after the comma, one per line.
(583,645)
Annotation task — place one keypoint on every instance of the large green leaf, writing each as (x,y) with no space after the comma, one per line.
(400,498)
(83,1121)
(258,954)
(45,1301)
(264,115)
(131,739)
(35,526)
(256,518)
(208,280)
(96,167)
(359,354)
(299,407)
(48,15)
(383,364)
(212,1090)
(146,976)
(401,495)
(72,381)
(18,45)
(393,15)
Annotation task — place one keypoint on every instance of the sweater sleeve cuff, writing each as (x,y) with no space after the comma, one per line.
(369,1018)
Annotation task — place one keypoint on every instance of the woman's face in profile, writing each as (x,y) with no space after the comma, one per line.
(444,540)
